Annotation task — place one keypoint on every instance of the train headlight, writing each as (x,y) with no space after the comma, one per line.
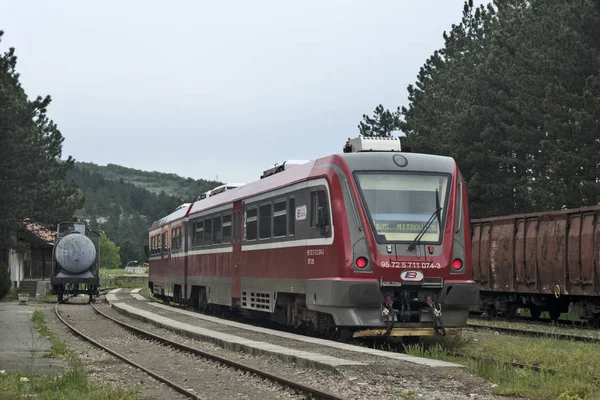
(361,262)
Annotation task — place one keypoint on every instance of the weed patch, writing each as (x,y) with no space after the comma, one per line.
(576,365)
(72,385)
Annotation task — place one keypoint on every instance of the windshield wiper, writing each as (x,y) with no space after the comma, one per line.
(436,214)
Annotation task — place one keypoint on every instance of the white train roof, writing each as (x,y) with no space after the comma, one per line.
(179,212)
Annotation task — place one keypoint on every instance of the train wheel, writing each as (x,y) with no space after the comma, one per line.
(554,314)
(60,297)
(492,312)
(511,311)
(91,298)
(343,335)
(536,311)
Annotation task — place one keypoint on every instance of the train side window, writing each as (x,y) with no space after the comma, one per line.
(319,212)
(264,222)
(292,216)
(198,233)
(239,226)
(279,219)
(207,232)
(251,224)
(164,245)
(227,228)
(176,239)
(217,230)
(234,232)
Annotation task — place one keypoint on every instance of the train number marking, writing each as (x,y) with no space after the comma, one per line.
(311,261)
(410,264)
(413,276)
(300,213)
(315,252)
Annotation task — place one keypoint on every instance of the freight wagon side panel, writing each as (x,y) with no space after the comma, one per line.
(476,262)
(582,246)
(502,249)
(551,252)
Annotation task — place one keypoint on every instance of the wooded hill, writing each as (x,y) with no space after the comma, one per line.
(123,202)
(155,182)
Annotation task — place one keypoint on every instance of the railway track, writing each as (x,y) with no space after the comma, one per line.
(562,323)
(529,332)
(311,392)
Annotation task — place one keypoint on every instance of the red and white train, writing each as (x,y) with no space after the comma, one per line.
(372,240)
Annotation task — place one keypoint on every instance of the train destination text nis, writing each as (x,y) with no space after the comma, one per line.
(411,264)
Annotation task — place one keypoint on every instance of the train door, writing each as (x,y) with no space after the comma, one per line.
(237,250)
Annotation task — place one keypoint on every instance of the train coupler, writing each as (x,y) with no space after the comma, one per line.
(438,325)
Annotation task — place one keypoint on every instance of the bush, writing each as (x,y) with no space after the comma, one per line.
(4,280)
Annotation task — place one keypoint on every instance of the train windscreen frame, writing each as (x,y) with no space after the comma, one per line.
(399,204)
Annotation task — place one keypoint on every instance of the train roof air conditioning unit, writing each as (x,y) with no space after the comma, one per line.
(372,143)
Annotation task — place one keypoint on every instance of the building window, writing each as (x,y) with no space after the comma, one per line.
(264,224)
(251,224)
(292,216)
(227,228)
(207,232)
(279,219)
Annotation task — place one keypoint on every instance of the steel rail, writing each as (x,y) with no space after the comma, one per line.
(314,392)
(125,359)
(561,323)
(528,332)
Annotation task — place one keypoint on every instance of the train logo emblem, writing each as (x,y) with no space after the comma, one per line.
(413,276)
(300,213)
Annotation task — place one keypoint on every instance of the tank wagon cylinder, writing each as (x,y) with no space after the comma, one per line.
(75,253)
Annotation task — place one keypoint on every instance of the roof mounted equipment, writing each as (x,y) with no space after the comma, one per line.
(372,143)
(223,188)
(283,167)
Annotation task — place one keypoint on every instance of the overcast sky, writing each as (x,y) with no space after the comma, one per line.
(207,88)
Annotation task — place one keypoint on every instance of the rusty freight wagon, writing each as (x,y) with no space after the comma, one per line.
(547,261)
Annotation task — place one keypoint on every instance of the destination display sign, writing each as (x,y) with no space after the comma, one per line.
(383,227)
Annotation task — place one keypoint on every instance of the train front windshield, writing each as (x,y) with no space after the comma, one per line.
(400,204)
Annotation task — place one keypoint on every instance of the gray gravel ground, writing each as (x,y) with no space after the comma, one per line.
(206,379)
(382,379)
(103,368)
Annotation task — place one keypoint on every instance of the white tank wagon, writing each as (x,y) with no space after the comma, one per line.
(75,268)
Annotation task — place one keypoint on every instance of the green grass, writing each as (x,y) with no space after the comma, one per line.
(70,385)
(58,348)
(110,273)
(577,365)
(123,282)
(146,293)
(11,296)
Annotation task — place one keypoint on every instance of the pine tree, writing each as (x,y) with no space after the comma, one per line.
(32,184)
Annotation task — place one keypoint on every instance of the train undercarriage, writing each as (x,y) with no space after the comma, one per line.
(403,318)
(509,306)
(70,289)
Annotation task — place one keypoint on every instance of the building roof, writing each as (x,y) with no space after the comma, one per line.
(39,231)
